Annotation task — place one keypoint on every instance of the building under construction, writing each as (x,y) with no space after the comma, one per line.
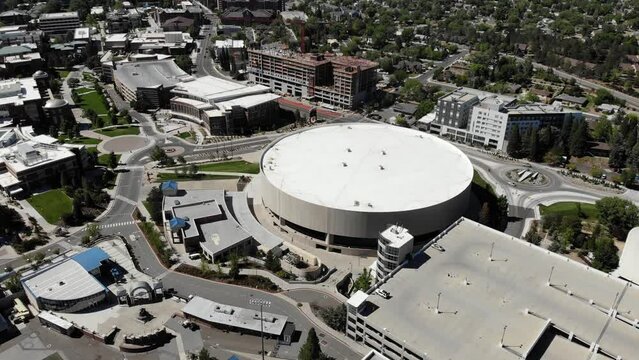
(342,81)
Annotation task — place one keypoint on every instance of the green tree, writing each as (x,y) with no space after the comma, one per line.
(234,271)
(579,140)
(532,236)
(335,317)
(205,355)
(311,349)
(514,147)
(193,169)
(13,284)
(412,90)
(628,177)
(534,151)
(52,6)
(363,281)
(184,62)
(113,160)
(154,204)
(92,231)
(606,256)
(205,269)
(10,221)
(272,262)
(602,130)
(618,215)
(424,107)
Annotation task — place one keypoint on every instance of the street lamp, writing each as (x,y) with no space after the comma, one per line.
(261,303)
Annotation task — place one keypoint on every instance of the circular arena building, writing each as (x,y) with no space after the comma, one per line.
(345,183)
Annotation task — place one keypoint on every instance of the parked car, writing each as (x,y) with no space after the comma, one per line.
(383,293)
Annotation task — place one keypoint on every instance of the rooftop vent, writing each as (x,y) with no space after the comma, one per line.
(356,203)
(344,164)
(186,218)
(370,205)
(349,150)
(383,152)
(381,167)
(177,202)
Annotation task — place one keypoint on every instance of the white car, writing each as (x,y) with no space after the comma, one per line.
(438,247)
(383,293)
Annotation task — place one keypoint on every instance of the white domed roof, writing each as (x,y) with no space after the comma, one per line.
(55,103)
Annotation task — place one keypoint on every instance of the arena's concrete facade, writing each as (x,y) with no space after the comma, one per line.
(352,180)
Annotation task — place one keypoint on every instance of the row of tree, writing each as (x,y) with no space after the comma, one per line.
(549,143)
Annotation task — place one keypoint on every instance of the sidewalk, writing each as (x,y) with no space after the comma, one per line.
(94,135)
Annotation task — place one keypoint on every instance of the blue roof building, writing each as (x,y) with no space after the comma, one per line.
(90,259)
(169,188)
(177,223)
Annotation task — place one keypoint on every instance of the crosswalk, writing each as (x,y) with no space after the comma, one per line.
(118,224)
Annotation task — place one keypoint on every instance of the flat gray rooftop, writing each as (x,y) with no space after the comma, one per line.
(511,290)
(150,74)
(221,235)
(244,216)
(238,317)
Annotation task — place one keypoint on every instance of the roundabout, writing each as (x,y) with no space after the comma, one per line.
(123,144)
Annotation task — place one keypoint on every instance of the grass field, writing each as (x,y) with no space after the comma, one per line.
(103,159)
(63,73)
(92,100)
(170,176)
(479,181)
(129,130)
(51,204)
(239,166)
(569,209)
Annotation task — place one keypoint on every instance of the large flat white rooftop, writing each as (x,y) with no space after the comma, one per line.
(480,297)
(67,280)
(212,89)
(367,167)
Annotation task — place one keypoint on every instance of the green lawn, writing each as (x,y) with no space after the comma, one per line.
(92,100)
(103,159)
(51,204)
(63,73)
(113,132)
(479,181)
(569,209)
(239,166)
(171,176)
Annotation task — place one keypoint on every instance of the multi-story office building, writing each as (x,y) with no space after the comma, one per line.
(486,119)
(224,107)
(59,23)
(148,82)
(342,81)
(20,100)
(393,246)
(29,165)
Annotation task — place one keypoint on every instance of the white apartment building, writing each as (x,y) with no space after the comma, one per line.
(393,245)
(484,118)
(59,23)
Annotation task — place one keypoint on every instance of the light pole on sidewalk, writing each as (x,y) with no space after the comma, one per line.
(261,303)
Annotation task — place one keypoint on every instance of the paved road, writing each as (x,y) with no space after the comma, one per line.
(428,75)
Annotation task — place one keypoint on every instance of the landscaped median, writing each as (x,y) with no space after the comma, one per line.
(119,131)
(188,177)
(52,205)
(161,249)
(251,281)
(237,166)
(570,208)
